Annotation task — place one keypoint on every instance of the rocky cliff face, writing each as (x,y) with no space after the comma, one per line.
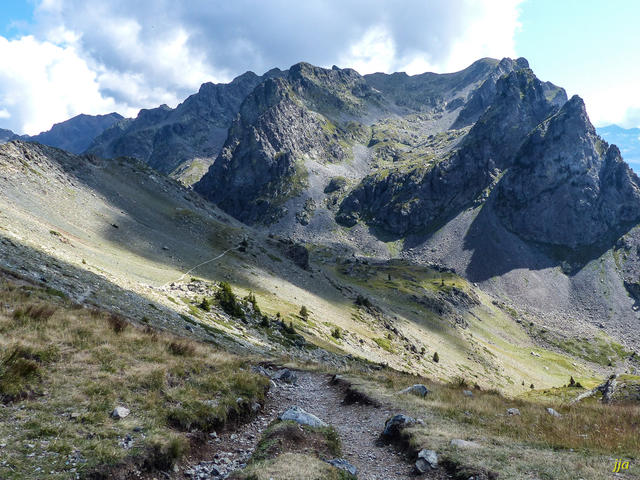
(76,134)
(166,138)
(402,202)
(325,116)
(262,163)
(567,186)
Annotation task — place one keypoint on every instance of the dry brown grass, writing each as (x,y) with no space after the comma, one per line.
(79,364)
(34,312)
(290,466)
(580,444)
(118,323)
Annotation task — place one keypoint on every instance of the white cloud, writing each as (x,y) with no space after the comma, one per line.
(618,102)
(46,83)
(93,56)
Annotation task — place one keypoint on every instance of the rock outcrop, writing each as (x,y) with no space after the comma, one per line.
(568,187)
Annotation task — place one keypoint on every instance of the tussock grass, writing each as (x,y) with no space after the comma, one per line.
(71,367)
(580,444)
(288,450)
(293,465)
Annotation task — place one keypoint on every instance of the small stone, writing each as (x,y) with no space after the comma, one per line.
(298,415)
(457,442)
(513,411)
(427,459)
(342,464)
(418,389)
(120,412)
(467,393)
(552,412)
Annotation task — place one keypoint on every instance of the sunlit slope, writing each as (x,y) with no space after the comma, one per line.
(118,234)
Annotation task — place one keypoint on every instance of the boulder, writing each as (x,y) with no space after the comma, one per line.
(285,375)
(120,412)
(395,424)
(467,393)
(417,389)
(427,459)
(342,464)
(298,415)
(513,411)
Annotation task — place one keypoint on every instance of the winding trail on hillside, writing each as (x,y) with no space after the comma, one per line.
(358,425)
(199,265)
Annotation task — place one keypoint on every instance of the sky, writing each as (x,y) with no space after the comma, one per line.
(64,57)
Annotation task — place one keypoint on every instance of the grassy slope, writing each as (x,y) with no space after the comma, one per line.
(65,368)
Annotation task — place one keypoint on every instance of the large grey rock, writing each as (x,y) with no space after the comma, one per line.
(513,411)
(552,412)
(418,389)
(285,375)
(298,415)
(343,464)
(427,460)
(395,424)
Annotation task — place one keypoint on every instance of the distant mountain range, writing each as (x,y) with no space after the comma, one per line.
(627,140)
(73,135)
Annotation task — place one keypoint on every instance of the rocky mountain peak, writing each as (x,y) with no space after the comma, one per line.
(568,187)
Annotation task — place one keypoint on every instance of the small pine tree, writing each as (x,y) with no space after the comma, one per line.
(336,333)
(531,386)
(572,382)
(436,357)
(251,298)
(228,301)
(205,305)
(304,313)
(265,322)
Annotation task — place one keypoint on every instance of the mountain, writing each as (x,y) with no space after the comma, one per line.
(184,140)
(627,139)
(487,171)
(77,133)
(462,244)
(7,135)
